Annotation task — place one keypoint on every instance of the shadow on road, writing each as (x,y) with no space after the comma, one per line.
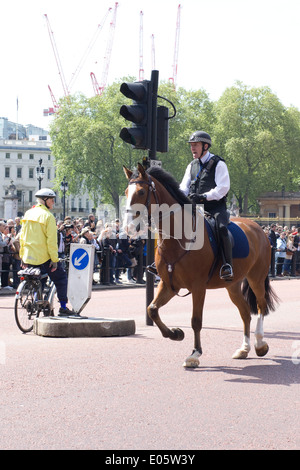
(282,371)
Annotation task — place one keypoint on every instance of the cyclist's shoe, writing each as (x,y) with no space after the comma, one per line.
(65,312)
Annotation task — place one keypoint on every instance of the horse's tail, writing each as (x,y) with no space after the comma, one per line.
(270,297)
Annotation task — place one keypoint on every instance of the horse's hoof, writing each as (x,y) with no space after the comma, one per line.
(240,354)
(262,350)
(177,334)
(192,361)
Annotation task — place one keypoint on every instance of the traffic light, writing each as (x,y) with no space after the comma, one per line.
(139,113)
(162,143)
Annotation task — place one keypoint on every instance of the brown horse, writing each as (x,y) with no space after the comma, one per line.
(180,266)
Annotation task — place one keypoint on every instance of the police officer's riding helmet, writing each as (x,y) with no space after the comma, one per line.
(200,136)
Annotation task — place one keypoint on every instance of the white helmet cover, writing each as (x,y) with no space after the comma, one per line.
(45,193)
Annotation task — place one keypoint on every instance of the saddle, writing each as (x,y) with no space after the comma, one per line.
(30,273)
(239,241)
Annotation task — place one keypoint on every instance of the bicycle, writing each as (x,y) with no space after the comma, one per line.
(31,301)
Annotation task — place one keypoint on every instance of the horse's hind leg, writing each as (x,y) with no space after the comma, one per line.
(259,289)
(261,347)
(163,295)
(235,294)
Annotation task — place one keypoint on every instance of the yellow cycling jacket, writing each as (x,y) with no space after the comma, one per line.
(38,238)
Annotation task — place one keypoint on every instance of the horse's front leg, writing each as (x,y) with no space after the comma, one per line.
(192,361)
(163,295)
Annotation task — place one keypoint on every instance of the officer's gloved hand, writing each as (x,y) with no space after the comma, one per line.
(198,198)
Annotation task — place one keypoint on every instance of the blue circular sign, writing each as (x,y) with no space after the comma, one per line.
(80,258)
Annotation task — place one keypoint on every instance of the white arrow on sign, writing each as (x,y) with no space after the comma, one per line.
(77,261)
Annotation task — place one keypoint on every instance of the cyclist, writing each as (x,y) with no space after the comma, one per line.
(38,245)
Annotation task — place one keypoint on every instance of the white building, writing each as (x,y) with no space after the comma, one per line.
(19,160)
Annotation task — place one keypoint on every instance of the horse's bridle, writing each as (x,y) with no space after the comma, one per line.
(151,189)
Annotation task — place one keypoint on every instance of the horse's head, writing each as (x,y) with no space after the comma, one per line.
(140,193)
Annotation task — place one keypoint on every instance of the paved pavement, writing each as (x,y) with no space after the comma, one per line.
(132,392)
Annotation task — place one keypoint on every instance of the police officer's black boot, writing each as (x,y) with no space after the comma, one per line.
(226,271)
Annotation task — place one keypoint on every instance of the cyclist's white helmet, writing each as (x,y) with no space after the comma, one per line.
(45,193)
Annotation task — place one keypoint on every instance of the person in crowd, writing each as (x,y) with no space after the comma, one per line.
(3,243)
(296,233)
(15,255)
(6,256)
(123,256)
(280,253)
(18,224)
(108,242)
(290,250)
(91,223)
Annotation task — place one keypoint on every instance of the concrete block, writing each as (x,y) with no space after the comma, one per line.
(88,327)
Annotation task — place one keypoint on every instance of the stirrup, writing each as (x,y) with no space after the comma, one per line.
(226,272)
(151,268)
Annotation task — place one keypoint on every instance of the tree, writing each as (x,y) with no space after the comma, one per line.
(251,133)
(87,147)
(89,151)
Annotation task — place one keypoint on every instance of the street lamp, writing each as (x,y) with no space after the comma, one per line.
(40,172)
(64,188)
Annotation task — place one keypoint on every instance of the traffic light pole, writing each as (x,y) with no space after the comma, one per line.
(150,278)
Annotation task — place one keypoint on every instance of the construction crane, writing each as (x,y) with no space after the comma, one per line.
(173,79)
(57,59)
(107,55)
(55,105)
(141,69)
(152,52)
(88,50)
(95,83)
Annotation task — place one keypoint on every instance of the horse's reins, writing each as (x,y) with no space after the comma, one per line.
(170,266)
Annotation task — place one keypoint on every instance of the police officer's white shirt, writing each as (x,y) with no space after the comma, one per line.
(221,178)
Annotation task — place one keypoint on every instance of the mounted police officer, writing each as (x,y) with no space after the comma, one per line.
(206,181)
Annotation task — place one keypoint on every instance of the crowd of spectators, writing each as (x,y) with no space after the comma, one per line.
(122,259)
(118,257)
(285,243)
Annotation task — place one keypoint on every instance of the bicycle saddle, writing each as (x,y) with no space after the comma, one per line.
(34,273)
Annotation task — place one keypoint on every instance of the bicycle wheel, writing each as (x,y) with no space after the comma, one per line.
(26,309)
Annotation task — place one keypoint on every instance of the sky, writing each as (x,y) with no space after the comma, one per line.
(220,42)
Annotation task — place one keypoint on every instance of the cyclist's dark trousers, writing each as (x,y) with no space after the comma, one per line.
(59,277)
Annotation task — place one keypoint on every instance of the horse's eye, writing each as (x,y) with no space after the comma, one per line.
(141,192)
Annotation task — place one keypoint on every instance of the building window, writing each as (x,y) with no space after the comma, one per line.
(19,172)
(49,158)
(272,215)
(31,156)
(49,174)
(19,156)
(19,194)
(7,172)
(7,155)
(30,196)
(31,172)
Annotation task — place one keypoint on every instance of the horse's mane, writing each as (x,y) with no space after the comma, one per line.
(170,184)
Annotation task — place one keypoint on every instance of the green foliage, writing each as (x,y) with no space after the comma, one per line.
(258,137)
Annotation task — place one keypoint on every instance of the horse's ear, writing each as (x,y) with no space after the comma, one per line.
(128,173)
(141,169)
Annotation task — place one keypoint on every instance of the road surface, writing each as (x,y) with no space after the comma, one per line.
(132,393)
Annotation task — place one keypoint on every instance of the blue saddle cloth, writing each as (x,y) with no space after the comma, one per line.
(240,245)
